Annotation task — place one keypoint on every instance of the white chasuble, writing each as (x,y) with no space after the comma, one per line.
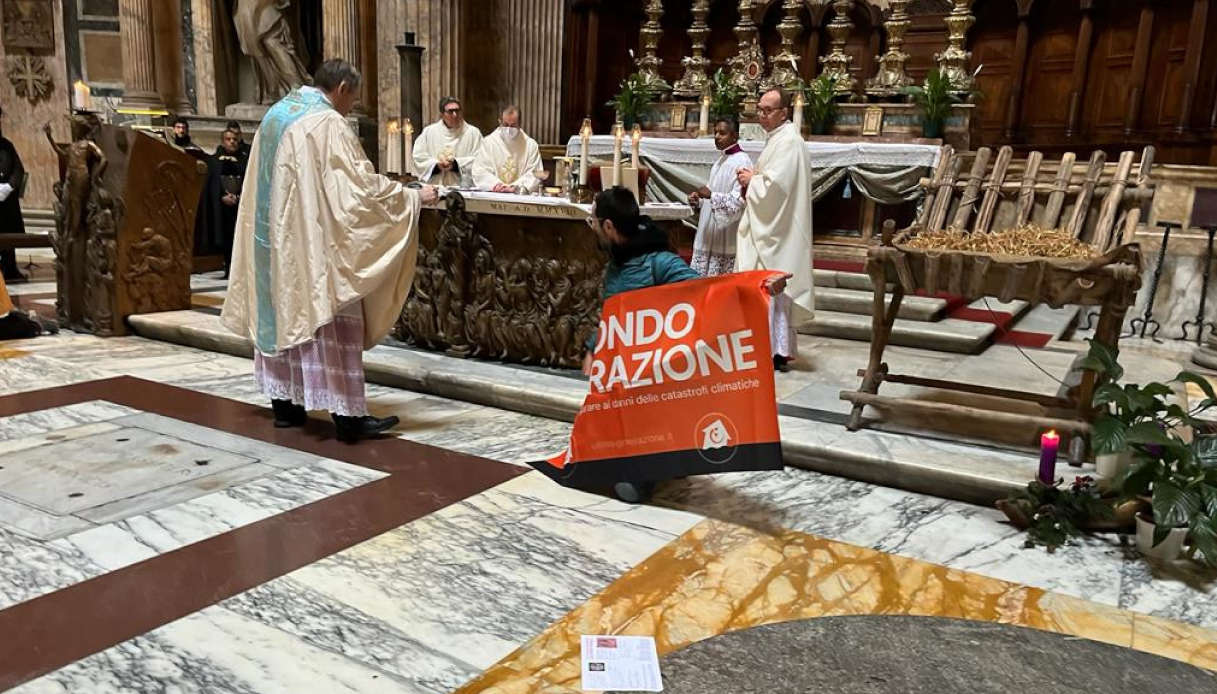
(318,231)
(508,161)
(437,141)
(775,233)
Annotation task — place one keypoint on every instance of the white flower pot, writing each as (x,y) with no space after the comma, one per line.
(1169,550)
(1109,466)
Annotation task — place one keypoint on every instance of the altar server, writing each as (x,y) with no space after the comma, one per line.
(722,205)
(324,256)
(509,160)
(775,232)
(447,147)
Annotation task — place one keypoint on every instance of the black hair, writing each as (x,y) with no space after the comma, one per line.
(182,121)
(732,121)
(444,101)
(234,126)
(333,73)
(642,236)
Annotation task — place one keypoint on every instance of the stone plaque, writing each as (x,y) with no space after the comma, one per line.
(29,24)
(79,474)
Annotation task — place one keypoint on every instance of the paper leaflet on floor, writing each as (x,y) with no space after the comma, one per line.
(681,383)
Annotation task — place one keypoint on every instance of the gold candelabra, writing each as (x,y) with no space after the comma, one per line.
(837,62)
(892,77)
(648,64)
(748,65)
(694,81)
(953,62)
(784,67)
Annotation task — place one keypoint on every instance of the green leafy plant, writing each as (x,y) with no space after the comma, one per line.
(1053,514)
(725,97)
(821,108)
(1178,475)
(633,100)
(935,99)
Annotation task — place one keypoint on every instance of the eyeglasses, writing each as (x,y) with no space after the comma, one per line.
(591,221)
(766,111)
(452,111)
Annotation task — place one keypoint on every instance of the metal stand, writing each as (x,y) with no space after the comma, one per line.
(1148,319)
(1200,322)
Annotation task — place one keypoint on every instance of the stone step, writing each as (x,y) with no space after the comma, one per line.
(947,335)
(951,470)
(918,308)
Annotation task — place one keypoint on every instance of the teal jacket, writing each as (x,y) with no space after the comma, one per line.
(640,272)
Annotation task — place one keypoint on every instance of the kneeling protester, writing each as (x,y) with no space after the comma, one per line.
(681,384)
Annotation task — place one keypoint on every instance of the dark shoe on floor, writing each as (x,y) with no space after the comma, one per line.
(633,492)
(781,363)
(352,429)
(288,414)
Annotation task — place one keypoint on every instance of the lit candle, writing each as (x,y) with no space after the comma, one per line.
(393,149)
(585,135)
(409,162)
(618,136)
(799,103)
(703,124)
(1049,443)
(82,96)
(635,145)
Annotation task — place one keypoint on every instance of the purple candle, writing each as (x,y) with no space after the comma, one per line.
(1049,443)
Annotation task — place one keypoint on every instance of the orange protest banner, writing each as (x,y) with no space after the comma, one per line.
(681,384)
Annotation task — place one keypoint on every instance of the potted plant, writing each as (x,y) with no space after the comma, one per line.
(1181,480)
(821,109)
(633,100)
(1053,515)
(935,100)
(724,96)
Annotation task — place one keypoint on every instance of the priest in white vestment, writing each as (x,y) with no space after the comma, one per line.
(446,148)
(509,160)
(722,205)
(323,257)
(775,233)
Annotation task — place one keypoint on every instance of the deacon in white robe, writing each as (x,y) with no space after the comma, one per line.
(323,256)
(775,232)
(446,148)
(722,205)
(509,160)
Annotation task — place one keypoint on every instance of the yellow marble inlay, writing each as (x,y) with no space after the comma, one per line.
(205,300)
(720,577)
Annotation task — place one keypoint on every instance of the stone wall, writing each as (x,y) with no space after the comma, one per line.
(23,119)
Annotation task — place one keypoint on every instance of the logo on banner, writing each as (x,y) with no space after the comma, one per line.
(718,437)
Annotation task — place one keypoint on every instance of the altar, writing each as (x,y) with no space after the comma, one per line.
(881,173)
(513,277)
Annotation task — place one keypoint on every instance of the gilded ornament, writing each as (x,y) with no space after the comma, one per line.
(837,62)
(892,77)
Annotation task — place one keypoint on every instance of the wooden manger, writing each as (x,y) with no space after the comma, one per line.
(1102,206)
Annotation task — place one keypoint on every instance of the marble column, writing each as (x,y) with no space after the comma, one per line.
(437,27)
(139,55)
(204,57)
(340,30)
(533,58)
(169,47)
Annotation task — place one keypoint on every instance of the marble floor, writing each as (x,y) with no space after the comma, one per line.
(435,560)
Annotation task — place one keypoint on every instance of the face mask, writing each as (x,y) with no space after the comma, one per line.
(509,133)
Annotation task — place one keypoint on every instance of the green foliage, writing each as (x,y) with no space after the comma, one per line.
(633,100)
(725,97)
(1058,514)
(1180,477)
(821,108)
(934,98)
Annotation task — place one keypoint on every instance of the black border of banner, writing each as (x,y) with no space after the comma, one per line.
(656,467)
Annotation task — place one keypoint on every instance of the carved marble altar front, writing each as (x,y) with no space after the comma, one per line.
(513,279)
(124,226)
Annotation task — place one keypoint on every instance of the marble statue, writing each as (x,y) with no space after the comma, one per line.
(266,38)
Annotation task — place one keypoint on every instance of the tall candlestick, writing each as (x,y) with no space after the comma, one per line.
(393,148)
(409,156)
(83,96)
(799,104)
(1049,443)
(703,126)
(618,136)
(585,135)
(635,145)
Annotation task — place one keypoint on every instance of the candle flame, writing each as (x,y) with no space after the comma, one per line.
(392,126)
(799,101)
(586,131)
(409,127)
(80,84)
(705,99)
(1051,435)
(636,133)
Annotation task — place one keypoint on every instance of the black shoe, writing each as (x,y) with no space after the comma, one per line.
(288,414)
(781,363)
(352,429)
